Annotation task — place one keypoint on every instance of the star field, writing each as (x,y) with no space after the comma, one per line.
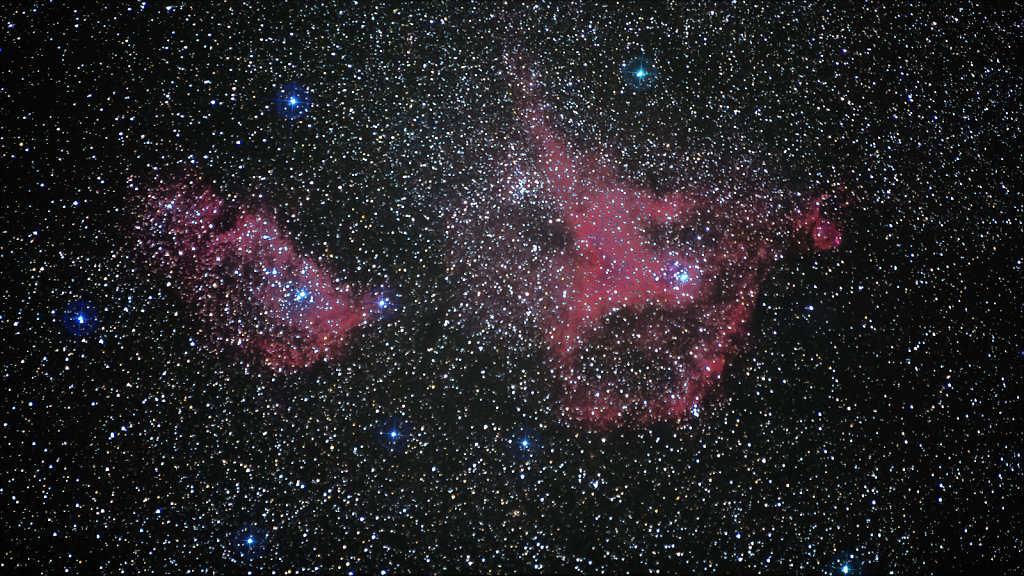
(475,288)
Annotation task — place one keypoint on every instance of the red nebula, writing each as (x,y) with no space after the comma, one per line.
(826,235)
(645,297)
(823,232)
(256,294)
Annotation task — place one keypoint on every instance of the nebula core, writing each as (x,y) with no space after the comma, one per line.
(639,296)
(260,299)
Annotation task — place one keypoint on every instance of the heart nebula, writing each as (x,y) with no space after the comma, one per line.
(640,296)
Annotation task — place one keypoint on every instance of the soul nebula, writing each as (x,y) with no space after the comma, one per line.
(261,300)
(638,295)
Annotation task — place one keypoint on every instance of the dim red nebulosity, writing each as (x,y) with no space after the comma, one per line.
(823,233)
(259,298)
(644,296)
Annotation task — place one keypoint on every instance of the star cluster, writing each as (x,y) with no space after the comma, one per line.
(294,288)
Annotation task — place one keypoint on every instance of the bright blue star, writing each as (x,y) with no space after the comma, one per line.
(250,541)
(846,569)
(302,296)
(640,73)
(292,101)
(80,318)
(384,302)
(525,443)
(680,274)
(393,435)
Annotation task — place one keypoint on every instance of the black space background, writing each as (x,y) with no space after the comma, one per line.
(880,430)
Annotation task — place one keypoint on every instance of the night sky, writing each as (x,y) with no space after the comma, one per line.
(472,288)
